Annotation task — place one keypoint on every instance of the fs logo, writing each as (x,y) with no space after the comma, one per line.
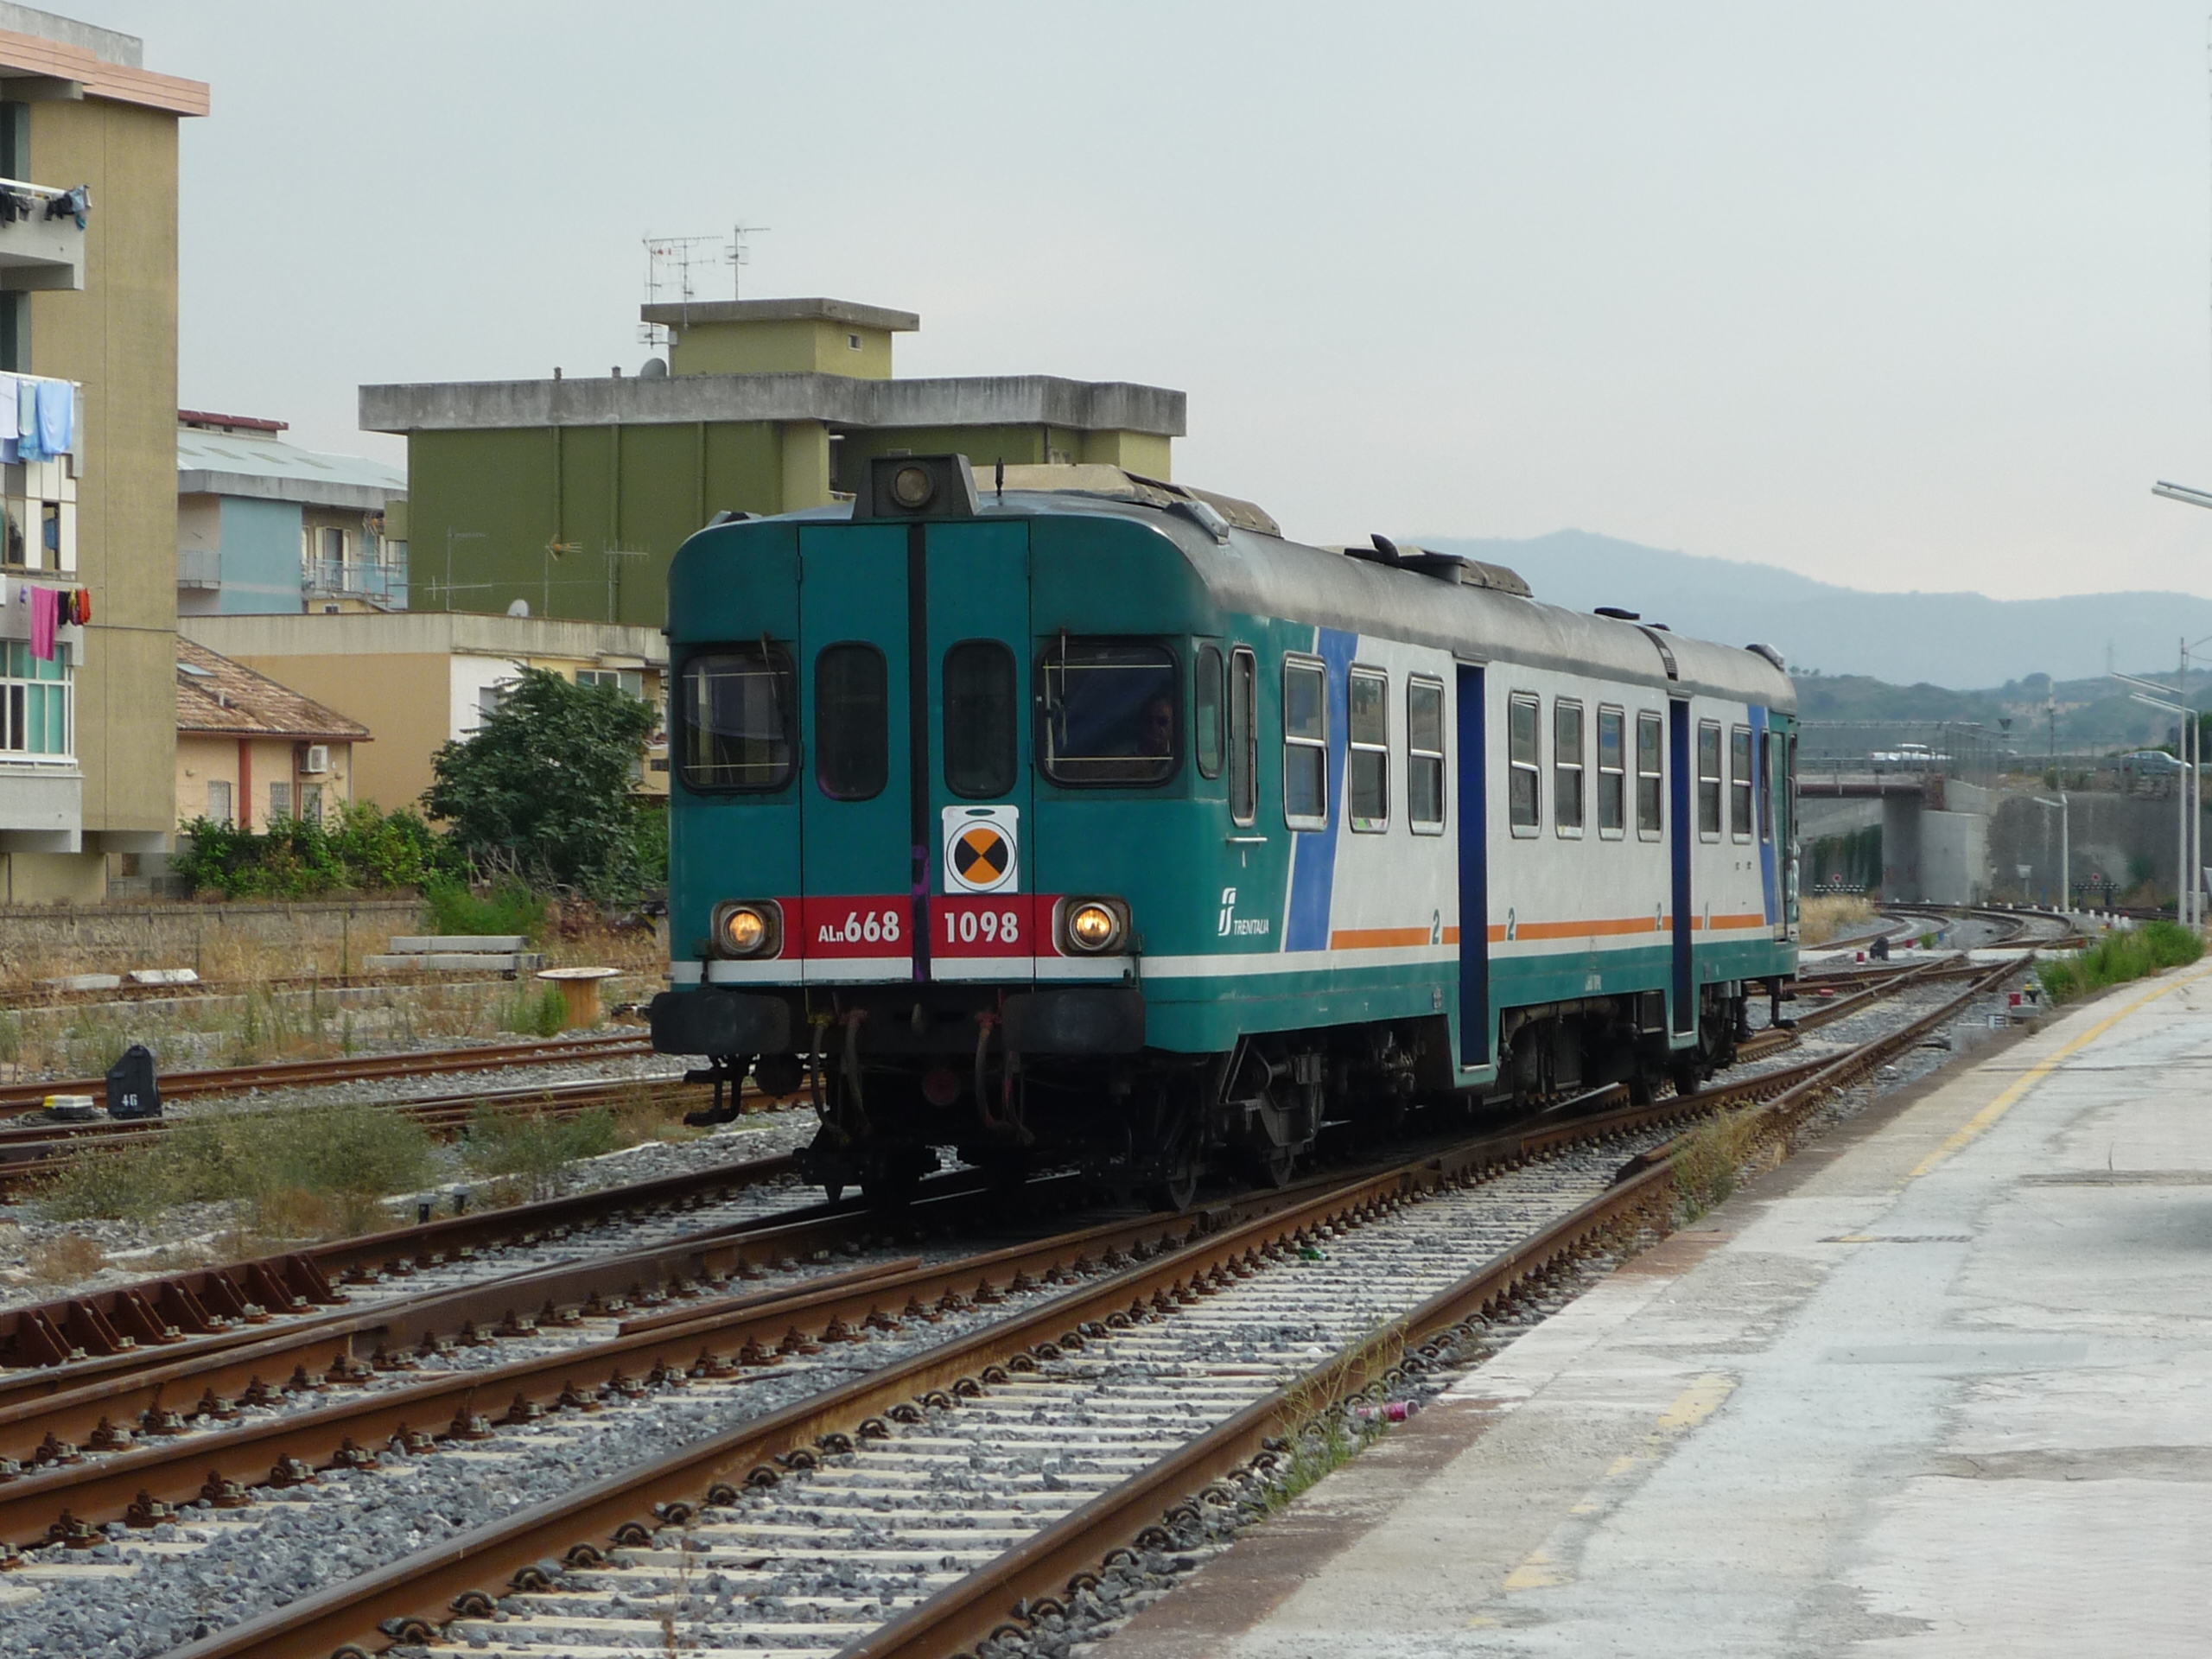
(1230,923)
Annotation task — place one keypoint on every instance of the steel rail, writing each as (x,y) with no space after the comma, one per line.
(1057,1560)
(345,1068)
(422,1587)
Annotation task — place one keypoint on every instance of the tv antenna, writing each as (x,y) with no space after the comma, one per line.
(677,266)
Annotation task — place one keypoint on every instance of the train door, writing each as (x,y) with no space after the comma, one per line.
(1681,840)
(972,759)
(1476,1024)
(861,917)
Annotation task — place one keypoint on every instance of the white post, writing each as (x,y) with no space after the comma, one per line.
(2065,856)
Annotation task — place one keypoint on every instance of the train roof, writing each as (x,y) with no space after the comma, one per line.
(1461,605)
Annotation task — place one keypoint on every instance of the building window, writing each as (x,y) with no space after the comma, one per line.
(311,803)
(218,801)
(1425,756)
(980,719)
(1206,710)
(1649,775)
(280,802)
(631,681)
(1567,767)
(1304,744)
(35,716)
(1370,785)
(1740,783)
(1524,782)
(1612,775)
(1708,779)
(1243,736)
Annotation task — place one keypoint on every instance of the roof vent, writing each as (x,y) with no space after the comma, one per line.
(1468,573)
(1618,615)
(1770,654)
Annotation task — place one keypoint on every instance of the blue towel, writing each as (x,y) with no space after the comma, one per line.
(27,420)
(56,416)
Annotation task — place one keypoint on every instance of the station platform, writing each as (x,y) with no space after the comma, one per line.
(1939,1385)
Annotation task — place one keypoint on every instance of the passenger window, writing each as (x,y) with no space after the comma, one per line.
(1524,782)
(852,740)
(1708,779)
(1369,760)
(1740,783)
(1243,736)
(1304,745)
(1567,767)
(1205,711)
(1612,775)
(1649,775)
(1765,774)
(735,711)
(979,719)
(1109,712)
(1425,756)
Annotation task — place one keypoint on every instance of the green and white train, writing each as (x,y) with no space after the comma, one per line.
(1082,818)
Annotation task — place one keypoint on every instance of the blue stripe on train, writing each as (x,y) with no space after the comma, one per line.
(1313,866)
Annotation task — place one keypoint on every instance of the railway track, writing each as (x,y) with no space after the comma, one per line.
(910,1508)
(17,1099)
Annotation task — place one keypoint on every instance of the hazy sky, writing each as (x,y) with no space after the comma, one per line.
(1897,295)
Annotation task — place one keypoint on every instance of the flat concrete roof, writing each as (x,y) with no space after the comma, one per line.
(266,468)
(417,633)
(684,314)
(835,399)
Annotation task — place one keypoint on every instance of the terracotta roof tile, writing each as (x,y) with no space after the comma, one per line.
(214,694)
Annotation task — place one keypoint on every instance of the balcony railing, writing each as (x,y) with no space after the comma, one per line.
(378,579)
(42,235)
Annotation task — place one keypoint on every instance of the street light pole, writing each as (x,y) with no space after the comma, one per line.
(2065,850)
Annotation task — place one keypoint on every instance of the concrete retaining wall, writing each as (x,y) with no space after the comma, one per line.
(333,936)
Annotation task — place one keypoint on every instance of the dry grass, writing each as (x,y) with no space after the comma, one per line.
(1821,919)
(1709,1167)
(64,1258)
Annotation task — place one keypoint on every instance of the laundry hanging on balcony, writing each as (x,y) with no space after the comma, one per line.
(56,416)
(46,617)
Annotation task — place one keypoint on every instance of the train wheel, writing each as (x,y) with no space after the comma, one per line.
(1270,1166)
(1176,1192)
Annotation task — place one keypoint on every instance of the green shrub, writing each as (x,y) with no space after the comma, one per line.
(2119,956)
(509,907)
(536,1148)
(344,1157)
(534,1011)
(359,849)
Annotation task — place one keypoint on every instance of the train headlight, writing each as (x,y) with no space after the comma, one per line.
(912,487)
(1095,926)
(745,929)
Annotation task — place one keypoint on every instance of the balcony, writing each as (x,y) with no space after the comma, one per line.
(43,246)
(380,581)
(199,569)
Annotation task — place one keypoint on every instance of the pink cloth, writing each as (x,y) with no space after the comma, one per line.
(46,616)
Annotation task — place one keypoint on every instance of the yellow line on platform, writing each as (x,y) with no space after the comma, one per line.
(1974,1127)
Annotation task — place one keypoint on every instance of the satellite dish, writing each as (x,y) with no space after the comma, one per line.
(520,608)
(653,368)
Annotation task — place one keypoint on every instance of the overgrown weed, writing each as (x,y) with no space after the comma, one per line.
(299,1171)
(2125,954)
(1708,1169)
(1823,915)
(533,1149)
(1323,1433)
(64,1258)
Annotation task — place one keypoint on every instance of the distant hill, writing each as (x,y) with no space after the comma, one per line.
(1956,640)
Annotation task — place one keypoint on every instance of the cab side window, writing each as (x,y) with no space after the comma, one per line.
(1243,736)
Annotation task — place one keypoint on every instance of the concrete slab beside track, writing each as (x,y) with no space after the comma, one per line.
(1937,1386)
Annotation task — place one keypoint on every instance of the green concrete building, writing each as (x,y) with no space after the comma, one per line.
(571,495)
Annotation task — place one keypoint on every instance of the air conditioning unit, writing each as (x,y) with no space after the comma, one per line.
(318,760)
